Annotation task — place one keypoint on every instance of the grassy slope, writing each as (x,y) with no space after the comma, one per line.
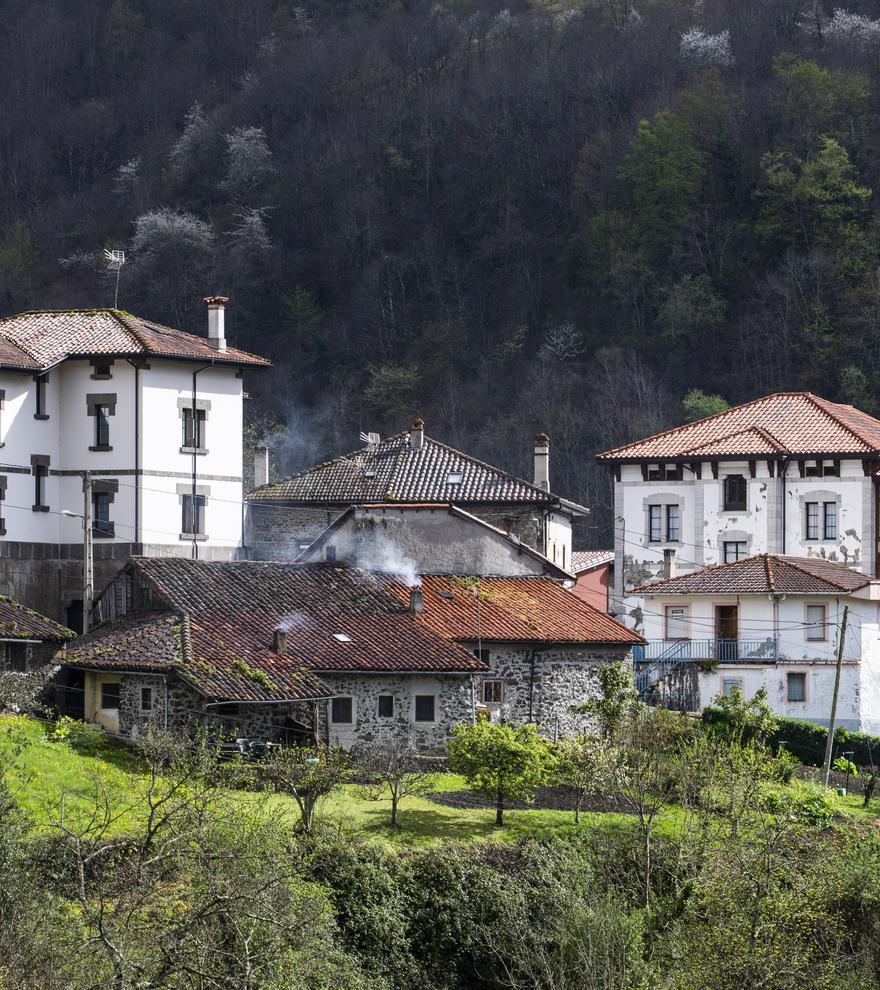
(47,774)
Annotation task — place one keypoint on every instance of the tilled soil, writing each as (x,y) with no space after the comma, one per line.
(546,798)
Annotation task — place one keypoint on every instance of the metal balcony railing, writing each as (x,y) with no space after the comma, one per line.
(762,651)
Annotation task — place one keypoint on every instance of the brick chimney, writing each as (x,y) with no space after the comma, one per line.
(542,462)
(217,321)
(261,466)
(416,601)
(279,641)
(668,563)
(417,434)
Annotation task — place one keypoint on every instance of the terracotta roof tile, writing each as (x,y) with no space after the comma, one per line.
(585,560)
(796,423)
(18,622)
(393,471)
(763,574)
(526,609)
(39,340)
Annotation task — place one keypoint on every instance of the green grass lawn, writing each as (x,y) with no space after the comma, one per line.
(51,778)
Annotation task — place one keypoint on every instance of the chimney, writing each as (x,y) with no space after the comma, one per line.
(417,434)
(416,601)
(542,462)
(668,563)
(261,466)
(217,321)
(279,641)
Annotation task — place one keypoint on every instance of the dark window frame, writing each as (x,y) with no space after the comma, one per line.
(419,702)
(190,518)
(811,520)
(338,706)
(111,687)
(40,397)
(193,438)
(829,520)
(673,508)
(386,702)
(796,676)
(726,558)
(655,523)
(735,493)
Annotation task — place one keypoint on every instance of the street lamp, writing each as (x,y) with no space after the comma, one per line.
(88,554)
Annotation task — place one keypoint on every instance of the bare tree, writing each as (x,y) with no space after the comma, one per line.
(308,774)
(396,769)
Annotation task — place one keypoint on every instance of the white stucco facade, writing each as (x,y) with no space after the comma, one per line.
(780,645)
(694,524)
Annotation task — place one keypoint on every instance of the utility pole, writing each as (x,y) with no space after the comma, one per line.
(829,745)
(88,556)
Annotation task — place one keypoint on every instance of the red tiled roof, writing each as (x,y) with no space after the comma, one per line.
(395,471)
(218,621)
(18,622)
(39,340)
(764,574)
(794,423)
(522,609)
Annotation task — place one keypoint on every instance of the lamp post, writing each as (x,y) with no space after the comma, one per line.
(88,554)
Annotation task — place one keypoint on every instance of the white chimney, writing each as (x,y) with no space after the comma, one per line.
(542,462)
(261,466)
(668,563)
(417,434)
(217,321)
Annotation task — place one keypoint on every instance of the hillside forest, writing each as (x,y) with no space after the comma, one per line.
(595,220)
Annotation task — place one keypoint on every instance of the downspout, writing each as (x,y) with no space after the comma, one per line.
(137,467)
(195,431)
(531,684)
(782,476)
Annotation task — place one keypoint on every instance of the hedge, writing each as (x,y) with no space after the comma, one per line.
(806,740)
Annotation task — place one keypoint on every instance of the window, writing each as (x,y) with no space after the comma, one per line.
(193,517)
(102,425)
(16,657)
(146,699)
(493,692)
(40,398)
(342,637)
(812,527)
(2,497)
(102,368)
(424,707)
(829,520)
(110,696)
(101,524)
(678,621)
(193,439)
(341,709)
(822,469)
(40,467)
(655,523)
(734,492)
(330,553)
(454,478)
(673,529)
(665,472)
(817,620)
(386,706)
(735,550)
(796,686)
(730,685)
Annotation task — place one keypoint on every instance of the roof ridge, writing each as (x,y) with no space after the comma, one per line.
(768,566)
(795,562)
(822,404)
(765,435)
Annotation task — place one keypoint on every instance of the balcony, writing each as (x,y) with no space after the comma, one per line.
(676,651)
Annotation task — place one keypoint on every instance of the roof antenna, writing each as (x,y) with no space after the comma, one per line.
(115,261)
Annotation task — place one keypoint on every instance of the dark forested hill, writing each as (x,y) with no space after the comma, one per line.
(502,216)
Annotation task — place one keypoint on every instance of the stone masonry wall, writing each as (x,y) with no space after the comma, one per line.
(564,676)
(280,532)
(453,705)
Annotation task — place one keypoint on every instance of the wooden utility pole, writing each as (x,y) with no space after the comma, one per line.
(88,556)
(829,745)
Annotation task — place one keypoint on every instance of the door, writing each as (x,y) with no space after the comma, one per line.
(727,632)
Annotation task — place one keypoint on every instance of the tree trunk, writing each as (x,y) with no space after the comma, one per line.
(499,808)
(647,867)
(577,811)
(393,809)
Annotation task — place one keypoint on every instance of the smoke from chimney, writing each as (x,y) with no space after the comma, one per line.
(217,321)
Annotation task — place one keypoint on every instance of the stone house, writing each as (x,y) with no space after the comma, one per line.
(541,643)
(786,474)
(269,650)
(767,621)
(427,539)
(283,519)
(31,643)
(152,413)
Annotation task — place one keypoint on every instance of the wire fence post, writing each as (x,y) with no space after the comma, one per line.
(829,744)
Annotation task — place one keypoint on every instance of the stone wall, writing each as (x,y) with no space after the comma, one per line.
(281,532)
(525,522)
(453,705)
(564,676)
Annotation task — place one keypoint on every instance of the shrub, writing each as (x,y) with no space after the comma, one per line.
(79,735)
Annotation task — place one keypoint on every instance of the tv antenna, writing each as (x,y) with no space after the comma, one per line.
(115,261)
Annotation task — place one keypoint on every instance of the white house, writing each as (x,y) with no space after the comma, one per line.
(790,473)
(765,621)
(149,412)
